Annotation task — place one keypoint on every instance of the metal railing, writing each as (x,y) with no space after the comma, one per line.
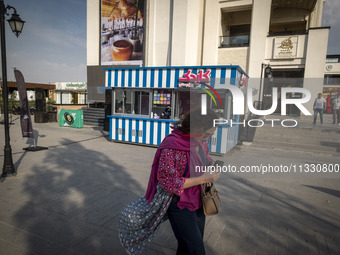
(296,32)
(234,41)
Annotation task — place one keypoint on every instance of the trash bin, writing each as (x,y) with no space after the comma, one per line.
(71,118)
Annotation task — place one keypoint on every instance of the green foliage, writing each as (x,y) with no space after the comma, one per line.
(50,105)
(13,103)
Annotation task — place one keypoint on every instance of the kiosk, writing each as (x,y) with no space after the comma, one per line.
(146,101)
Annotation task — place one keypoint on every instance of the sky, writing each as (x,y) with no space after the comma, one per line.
(52,46)
(331,18)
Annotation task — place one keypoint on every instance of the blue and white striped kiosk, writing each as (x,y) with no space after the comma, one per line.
(146,101)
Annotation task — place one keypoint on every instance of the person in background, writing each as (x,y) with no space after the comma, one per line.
(174,169)
(319,106)
(166,114)
(336,110)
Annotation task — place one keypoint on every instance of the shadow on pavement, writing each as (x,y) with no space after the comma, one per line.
(332,145)
(332,192)
(104,133)
(74,197)
(262,220)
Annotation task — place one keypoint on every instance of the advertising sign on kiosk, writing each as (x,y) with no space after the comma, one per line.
(147,101)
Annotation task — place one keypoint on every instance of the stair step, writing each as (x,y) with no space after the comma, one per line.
(93,119)
(305,139)
(311,138)
(295,152)
(94,116)
(280,130)
(331,147)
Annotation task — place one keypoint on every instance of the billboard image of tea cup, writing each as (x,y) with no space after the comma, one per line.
(121,50)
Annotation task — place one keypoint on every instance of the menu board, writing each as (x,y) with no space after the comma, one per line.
(161,98)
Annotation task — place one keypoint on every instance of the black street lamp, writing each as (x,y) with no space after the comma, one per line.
(16,25)
(269,75)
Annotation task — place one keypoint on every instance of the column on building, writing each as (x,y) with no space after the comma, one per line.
(210,37)
(258,35)
(315,62)
(316,15)
(158,27)
(176,32)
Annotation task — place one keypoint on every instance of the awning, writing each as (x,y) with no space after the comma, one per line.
(168,77)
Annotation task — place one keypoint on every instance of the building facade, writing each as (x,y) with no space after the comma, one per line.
(331,87)
(70,93)
(285,35)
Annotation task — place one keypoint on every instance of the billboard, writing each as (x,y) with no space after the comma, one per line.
(122,32)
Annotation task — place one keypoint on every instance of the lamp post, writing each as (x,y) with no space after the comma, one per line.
(16,25)
(268,74)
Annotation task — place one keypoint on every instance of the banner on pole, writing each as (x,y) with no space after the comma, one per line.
(25,114)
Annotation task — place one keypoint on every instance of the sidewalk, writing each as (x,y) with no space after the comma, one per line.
(65,200)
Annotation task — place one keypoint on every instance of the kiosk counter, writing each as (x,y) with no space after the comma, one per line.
(147,101)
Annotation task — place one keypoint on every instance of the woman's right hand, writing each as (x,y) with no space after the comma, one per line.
(199,180)
(210,177)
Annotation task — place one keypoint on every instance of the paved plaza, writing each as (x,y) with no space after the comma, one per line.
(66,200)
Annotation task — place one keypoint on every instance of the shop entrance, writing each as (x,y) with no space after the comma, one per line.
(283,78)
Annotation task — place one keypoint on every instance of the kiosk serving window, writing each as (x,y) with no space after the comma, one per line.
(132,101)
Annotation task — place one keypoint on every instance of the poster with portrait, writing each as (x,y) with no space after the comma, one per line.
(122,32)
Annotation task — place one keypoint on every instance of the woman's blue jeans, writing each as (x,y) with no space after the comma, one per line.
(188,227)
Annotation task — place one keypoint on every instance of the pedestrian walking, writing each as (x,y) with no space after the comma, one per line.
(319,107)
(174,176)
(336,110)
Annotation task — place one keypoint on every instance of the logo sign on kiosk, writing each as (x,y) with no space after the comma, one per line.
(190,80)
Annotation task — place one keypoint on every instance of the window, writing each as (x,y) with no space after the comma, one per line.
(58,97)
(235,28)
(81,98)
(333,59)
(132,101)
(65,98)
(332,79)
(240,30)
(161,103)
(141,102)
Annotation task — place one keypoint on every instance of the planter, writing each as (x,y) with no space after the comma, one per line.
(40,117)
(52,116)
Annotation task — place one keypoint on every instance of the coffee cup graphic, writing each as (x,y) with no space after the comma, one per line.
(121,50)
